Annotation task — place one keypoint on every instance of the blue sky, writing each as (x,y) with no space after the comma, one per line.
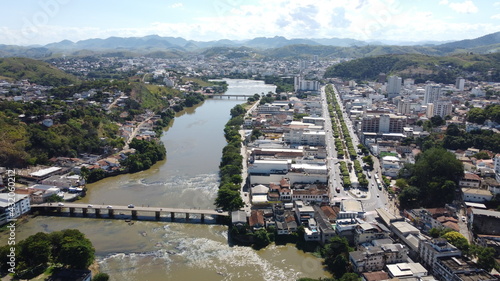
(28,22)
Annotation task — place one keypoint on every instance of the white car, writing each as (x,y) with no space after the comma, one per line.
(60,204)
(464,218)
(109,207)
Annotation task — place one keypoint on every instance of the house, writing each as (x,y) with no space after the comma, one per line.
(366,232)
(470,180)
(476,195)
(256,220)
(238,219)
(371,259)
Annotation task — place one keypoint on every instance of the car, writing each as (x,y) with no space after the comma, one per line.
(109,207)
(378,195)
(130,206)
(463,218)
(90,206)
(60,204)
(219,210)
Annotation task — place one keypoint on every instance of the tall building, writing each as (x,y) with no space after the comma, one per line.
(460,84)
(383,123)
(432,93)
(430,110)
(442,108)
(394,86)
(300,84)
(404,107)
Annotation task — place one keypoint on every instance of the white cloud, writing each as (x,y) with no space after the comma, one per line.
(496,4)
(496,17)
(176,5)
(466,7)
(443,2)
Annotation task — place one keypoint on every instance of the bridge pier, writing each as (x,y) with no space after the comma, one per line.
(111,213)
(59,209)
(157,215)
(187,216)
(172,216)
(134,214)
(84,212)
(71,211)
(202,218)
(97,213)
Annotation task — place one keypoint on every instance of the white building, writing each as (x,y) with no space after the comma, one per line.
(11,207)
(393,86)
(432,93)
(460,84)
(300,84)
(442,108)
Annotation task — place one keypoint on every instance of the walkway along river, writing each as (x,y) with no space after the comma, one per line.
(188,178)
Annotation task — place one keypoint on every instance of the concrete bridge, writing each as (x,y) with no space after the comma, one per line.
(221,96)
(112,211)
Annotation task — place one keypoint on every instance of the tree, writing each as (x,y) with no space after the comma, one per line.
(75,250)
(261,239)
(336,253)
(458,240)
(350,277)
(228,199)
(435,174)
(486,258)
(101,277)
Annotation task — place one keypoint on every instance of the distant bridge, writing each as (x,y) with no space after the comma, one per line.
(111,211)
(221,96)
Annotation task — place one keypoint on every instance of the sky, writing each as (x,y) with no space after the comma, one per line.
(30,22)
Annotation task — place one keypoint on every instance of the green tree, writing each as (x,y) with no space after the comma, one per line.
(486,258)
(261,239)
(458,240)
(75,250)
(350,277)
(228,199)
(336,253)
(101,277)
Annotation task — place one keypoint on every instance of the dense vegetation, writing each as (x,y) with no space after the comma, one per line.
(228,196)
(35,71)
(147,154)
(432,180)
(81,129)
(283,84)
(479,115)
(420,67)
(66,248)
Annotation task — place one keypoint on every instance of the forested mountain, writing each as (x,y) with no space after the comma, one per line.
(421,67)
(272,47)
(35,71)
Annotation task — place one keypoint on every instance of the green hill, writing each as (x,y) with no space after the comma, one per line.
(421,67)
(35,71)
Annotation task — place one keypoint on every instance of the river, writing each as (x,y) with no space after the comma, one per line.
(188,178)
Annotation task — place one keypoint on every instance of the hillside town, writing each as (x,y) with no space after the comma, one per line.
(297,179)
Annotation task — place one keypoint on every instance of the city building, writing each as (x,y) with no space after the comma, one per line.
(383,123)
(431,250)
(393,86)
(12,206)
(432,93)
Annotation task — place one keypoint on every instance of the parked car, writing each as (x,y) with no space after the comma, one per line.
(464,218)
